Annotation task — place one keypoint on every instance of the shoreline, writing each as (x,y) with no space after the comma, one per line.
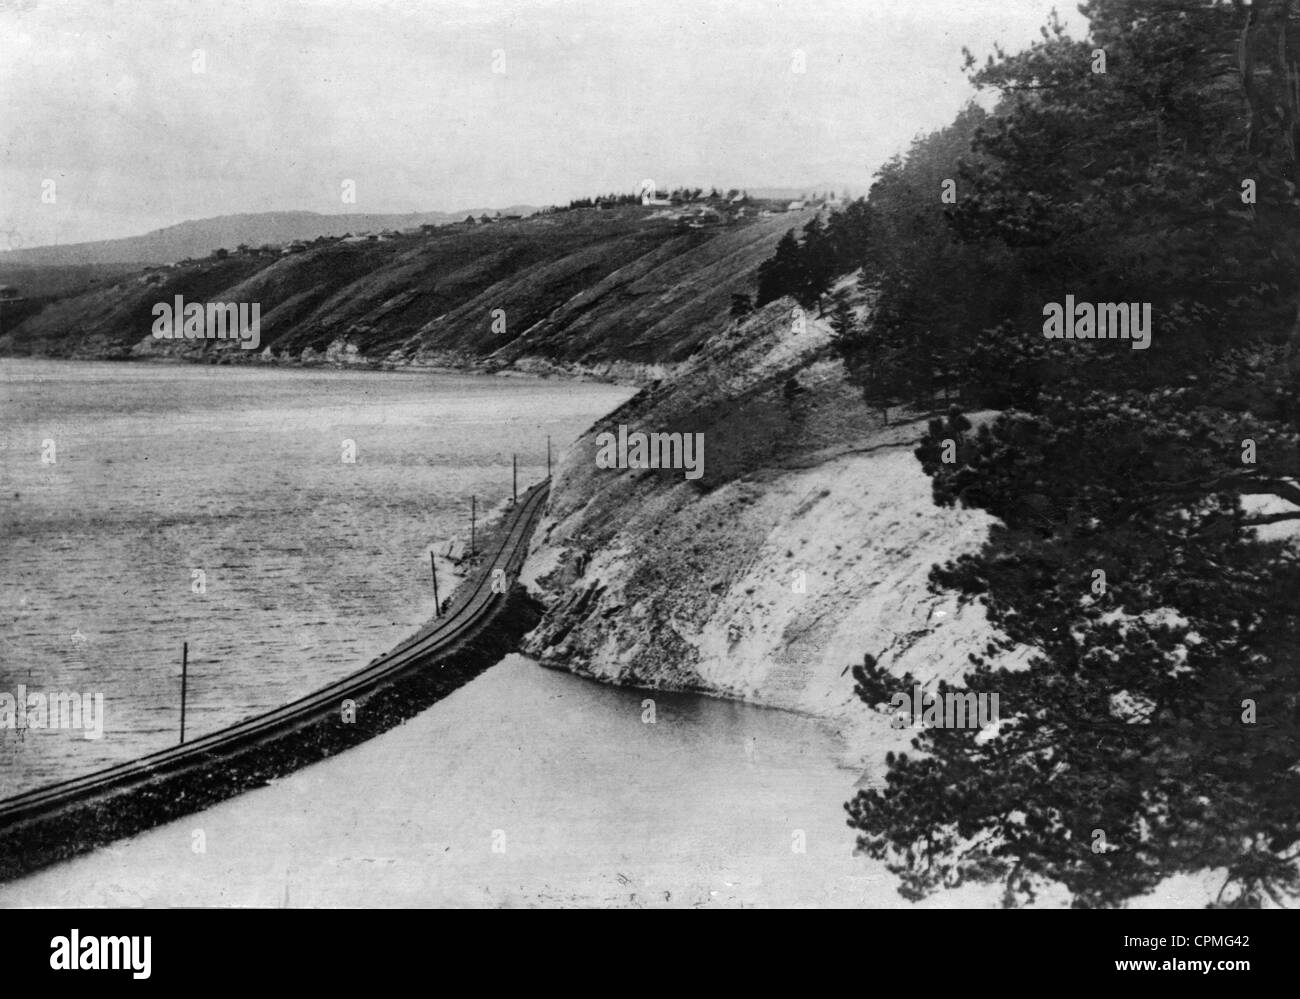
(102,817)
(543,371)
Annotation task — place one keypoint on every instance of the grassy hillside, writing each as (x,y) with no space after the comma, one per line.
(47,281)
(586,287)
(199,237)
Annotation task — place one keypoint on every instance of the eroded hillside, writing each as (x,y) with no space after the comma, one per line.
(619,292)
(807,542)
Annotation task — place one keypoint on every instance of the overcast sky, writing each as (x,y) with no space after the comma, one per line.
(429,105)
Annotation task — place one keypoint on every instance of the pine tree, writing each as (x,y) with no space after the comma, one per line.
(783,273)
(1159,705)
(843,321)
(818,264)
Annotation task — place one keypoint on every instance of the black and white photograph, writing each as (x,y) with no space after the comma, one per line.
(589,454)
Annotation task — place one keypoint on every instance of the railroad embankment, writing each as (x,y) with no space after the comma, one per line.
(481,622)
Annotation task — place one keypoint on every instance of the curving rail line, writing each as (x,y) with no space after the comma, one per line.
(508,555)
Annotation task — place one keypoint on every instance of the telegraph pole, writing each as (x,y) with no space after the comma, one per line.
(473,501)
(548,456)
(514,484)
(185,665)
(437,604)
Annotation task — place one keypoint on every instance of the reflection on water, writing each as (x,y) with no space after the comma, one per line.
(214,506)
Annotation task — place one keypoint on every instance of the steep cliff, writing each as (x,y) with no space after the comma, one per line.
(806,543)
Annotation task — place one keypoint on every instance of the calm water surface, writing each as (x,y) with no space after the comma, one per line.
(311,565)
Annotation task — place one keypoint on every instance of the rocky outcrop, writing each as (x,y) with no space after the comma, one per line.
(807,542)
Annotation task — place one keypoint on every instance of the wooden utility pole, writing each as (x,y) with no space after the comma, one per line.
(185,666)
(514,481)
(21,712)
(473,501)
(548,456)
(437,604)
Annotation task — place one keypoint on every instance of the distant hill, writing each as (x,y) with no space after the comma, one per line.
(586,288)
(200,237)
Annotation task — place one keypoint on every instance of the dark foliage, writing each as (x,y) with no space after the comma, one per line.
(1156,729)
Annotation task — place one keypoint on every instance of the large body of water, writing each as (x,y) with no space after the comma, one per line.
(118,482)
(525,787)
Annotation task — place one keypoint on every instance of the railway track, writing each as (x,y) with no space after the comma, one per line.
(419,653)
